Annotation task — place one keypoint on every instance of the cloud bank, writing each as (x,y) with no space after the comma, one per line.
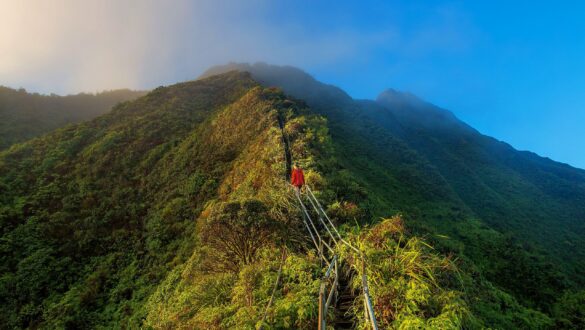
(68,46)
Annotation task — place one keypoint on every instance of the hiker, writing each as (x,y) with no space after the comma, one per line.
(297,178)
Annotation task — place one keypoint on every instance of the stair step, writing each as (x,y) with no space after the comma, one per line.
(344,318)
(343,325)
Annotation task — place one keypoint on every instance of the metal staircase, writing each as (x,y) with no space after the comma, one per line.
(326,239)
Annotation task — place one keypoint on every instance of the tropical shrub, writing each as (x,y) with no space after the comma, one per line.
(411,286)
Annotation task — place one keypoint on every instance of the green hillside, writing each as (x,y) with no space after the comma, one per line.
(24,115)
(514,218)
(172,211)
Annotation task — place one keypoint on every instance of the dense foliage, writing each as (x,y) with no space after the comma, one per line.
(411,285)
(515,220)
(172,212)
(24,115)
(94,215)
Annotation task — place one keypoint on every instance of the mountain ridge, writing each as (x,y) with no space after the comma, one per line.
(264,73)
(535,200)
(116,217)
(25,115)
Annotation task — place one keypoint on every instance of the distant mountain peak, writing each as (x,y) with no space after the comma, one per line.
(394,96)
(409,107)
(256,67)
(292,80)
(296,82)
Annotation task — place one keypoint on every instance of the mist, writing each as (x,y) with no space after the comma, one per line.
(69,46)
(456,55)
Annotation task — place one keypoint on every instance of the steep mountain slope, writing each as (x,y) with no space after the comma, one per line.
(514,217)
(171,212)
(537,197)
(24,115)
(92,213)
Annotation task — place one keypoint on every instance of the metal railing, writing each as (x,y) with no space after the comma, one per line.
(332,272)
(325,303)
(319,242)
(368,307)
(332,265)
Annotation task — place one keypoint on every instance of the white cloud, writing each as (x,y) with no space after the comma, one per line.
(69,46)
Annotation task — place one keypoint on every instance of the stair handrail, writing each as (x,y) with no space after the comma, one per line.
(319,216)
(319,241)
(320,209)
(368,306)
(324,303)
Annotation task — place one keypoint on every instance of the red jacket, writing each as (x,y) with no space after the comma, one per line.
(297,178)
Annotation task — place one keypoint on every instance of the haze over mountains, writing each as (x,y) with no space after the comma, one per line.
(24,115)
(494,202)
(107,222)
(531,195)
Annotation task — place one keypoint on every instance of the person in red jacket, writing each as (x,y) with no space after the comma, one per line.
(297,178)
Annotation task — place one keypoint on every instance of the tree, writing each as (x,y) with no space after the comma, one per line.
(235,232)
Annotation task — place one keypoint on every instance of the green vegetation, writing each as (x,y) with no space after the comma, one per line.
(101,219)
(94,215)
(24,115)
(514,220)
(412,287)
(171,211)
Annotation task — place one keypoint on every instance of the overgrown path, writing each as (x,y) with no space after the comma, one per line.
(287,153)
(327,240)
(335,291)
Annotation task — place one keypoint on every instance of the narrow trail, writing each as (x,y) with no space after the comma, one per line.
(287,153)
(335,290)
(344,318)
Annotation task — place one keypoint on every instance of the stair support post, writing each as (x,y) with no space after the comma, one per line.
(322,311)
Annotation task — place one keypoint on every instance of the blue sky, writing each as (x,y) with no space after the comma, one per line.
(514,70)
